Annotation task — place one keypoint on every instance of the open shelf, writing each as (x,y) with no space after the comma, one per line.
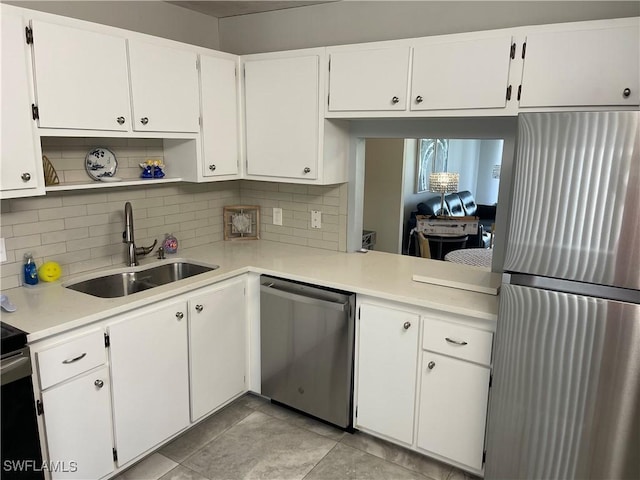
(97,184)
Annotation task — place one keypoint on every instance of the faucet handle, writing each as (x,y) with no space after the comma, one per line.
(146,250)
(161,253)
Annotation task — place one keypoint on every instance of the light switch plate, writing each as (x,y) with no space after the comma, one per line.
(277,216)
(316,219)
(3,251)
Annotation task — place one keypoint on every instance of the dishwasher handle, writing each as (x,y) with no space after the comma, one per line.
(272,290)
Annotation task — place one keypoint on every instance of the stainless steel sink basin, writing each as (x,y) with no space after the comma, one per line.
(127,283)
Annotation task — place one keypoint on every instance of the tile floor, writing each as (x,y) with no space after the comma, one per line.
(253,439)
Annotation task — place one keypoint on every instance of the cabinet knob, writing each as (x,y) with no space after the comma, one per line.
(407,325)
(120,120)
(430,365)
(306,170)
(626,92)
(144,120)
(395,100)
(99,383)
(26,176)
(419,99)
(179,315)
(212,167)
(199,308)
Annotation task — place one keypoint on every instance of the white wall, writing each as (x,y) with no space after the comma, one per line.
(347,22)
(383,192)
(157,18)
(486,192)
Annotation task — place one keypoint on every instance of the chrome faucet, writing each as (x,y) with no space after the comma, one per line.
(127,237)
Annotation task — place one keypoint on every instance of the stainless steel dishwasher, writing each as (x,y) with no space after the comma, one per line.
(306,341)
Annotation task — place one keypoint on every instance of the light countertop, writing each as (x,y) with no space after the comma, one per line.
(48,308)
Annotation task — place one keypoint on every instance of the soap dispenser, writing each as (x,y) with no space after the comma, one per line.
(30,270)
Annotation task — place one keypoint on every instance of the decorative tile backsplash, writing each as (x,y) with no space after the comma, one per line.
(82,230)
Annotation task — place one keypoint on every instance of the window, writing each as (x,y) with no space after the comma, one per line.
(433,156)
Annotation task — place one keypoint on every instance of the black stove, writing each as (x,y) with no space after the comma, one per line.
(12,338)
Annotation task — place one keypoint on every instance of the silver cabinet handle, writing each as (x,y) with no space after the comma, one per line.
(419,99)
(71,360)
(99,383)
(430,365)
(26,176)
(179,315)
(212,167)
(199,308)
(407,325)
(395,100)
(455,342)
(144,120)
(306,170)
(120,120)
(626,92)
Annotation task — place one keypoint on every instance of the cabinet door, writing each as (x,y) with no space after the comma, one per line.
(462,74)
(281,102)
(77,418)
(453,408)
(150,377)
(387,362)
(585,67)
(369,80)
(219,116)
(217,346)
(164,87)
(20,154)
(81,78)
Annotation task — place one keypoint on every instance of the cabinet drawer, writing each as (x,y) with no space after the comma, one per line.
(71,358)
(457,341)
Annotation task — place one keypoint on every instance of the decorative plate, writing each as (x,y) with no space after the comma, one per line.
(101,162)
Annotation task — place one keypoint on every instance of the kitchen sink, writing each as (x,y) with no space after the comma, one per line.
(130,282)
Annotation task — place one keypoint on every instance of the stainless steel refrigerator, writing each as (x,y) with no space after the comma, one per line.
(565,398)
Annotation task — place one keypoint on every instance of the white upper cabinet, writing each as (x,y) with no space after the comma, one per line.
(461,74)
(597,66)
(287,137)
(219,97)
(164,88)
(81,78)
(364,80)
(281,102)
(20,154)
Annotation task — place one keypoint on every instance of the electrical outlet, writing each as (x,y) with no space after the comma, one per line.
(316,219)
(277,216)
(3,251)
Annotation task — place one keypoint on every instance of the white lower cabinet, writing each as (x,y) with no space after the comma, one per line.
(77,421)
(387,363)
(217,318)
(453,408)
(439,410)
(150,377)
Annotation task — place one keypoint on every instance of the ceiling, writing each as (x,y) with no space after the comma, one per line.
(233,8)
